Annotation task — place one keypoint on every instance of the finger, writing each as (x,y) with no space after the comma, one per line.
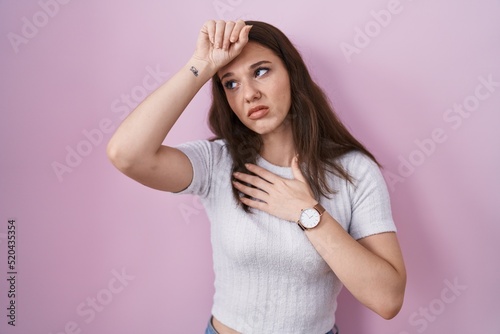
(254,181)
(250,191)
(209,28)
(235,34)
(254,204)
(219,33)
(227,34)
(242,39)
(297,173)
(262,172)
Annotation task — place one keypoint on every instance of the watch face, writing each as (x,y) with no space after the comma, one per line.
(309,218)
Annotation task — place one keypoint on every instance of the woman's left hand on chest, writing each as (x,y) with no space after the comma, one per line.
(278,196)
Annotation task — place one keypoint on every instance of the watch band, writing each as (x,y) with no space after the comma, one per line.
(319,208)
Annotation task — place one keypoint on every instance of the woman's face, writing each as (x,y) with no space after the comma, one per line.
(257,89)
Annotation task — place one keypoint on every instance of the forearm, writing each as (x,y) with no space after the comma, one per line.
(373,280)
(141,134)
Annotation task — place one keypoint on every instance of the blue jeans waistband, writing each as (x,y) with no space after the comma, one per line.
(211,330)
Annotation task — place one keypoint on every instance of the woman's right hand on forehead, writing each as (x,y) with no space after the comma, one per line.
(219,42)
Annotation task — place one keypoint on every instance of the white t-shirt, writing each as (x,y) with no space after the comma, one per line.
(268,276)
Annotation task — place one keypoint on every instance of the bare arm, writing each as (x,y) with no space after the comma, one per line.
(136,147)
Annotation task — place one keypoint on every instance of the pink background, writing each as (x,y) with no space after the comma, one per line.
(64,86)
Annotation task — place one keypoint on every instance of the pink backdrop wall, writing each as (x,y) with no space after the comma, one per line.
(417,81)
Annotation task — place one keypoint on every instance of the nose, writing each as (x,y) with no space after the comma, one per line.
(251,92)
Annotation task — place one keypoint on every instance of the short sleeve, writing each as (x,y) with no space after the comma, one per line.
(201,155)
(370,202)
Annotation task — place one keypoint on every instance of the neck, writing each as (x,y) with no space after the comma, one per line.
(278,148)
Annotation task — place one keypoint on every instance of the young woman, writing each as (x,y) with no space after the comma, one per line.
(298,207)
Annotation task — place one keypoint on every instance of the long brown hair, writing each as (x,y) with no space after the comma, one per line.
(319,135)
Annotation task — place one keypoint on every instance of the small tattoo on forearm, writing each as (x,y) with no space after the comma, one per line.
(194,70)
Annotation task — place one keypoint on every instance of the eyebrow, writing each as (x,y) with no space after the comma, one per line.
(257,64)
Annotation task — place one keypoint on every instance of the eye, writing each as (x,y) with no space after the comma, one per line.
(261,71)
(231,84)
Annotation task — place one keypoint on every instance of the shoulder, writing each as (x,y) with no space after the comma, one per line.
(205,147)
(364,172)
(210,162)
(216,143)
(357,163)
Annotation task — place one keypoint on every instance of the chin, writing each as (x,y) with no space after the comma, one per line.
(268,126)
(263,130)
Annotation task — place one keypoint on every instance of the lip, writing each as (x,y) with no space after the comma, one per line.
(258,112)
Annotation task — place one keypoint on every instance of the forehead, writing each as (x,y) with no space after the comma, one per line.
(251,53)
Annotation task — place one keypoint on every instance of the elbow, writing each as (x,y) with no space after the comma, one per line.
(118,158)
(392,302)
(390,311)
(113,153)
(391,306)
